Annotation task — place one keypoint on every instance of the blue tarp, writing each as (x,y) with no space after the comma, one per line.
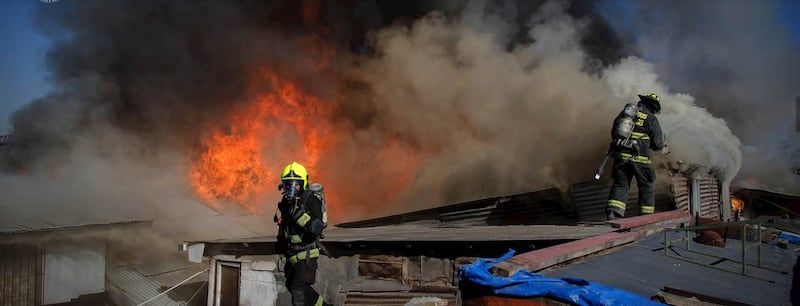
(791,238)
(528,284)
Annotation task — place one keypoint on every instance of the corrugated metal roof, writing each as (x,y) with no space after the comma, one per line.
(540,207)
(586,201)
(47,227)
(590,199)
(135,286)
(162,266)
(139,288)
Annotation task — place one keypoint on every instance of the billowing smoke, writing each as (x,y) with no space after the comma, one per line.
(432,106)
(502,120)
(739,60)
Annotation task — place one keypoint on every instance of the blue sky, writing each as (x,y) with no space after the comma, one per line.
(21,58)
(790,16)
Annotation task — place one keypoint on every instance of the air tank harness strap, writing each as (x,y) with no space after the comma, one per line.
(312,253)
(635,158)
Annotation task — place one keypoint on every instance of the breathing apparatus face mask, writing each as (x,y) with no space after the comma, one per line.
(290,188)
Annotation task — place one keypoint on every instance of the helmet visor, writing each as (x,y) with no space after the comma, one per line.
(291,188)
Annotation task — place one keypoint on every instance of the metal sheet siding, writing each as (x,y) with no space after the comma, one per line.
(20,274)
(541,207)
(680,192)
(591,197)
(709,197)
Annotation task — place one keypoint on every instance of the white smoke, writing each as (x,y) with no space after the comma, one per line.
(496,120)
(740,61)
(693,135)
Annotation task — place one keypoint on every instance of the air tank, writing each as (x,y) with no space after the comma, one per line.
(625,125)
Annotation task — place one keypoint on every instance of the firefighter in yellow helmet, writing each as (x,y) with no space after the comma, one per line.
(631,152)
(302,219)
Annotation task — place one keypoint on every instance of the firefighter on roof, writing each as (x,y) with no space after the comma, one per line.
(635,133)
(302,219)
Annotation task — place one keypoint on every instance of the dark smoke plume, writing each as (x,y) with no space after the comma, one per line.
(485,97)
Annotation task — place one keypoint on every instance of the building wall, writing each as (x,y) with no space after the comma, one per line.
(20,274)
(257,282)
(72,269)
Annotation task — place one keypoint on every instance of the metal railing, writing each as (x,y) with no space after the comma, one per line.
(687,244)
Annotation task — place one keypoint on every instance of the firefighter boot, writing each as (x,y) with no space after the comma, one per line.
(612,215)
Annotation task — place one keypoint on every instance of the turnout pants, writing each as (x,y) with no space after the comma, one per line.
(299,278)
(623,172)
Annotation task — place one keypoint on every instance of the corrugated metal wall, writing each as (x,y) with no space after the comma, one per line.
(20,274)
(709,197)
(680,191)
(541,207)
(585,201)
(590,199)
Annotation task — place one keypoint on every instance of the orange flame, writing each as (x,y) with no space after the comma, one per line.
(737,204)
(239,163)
